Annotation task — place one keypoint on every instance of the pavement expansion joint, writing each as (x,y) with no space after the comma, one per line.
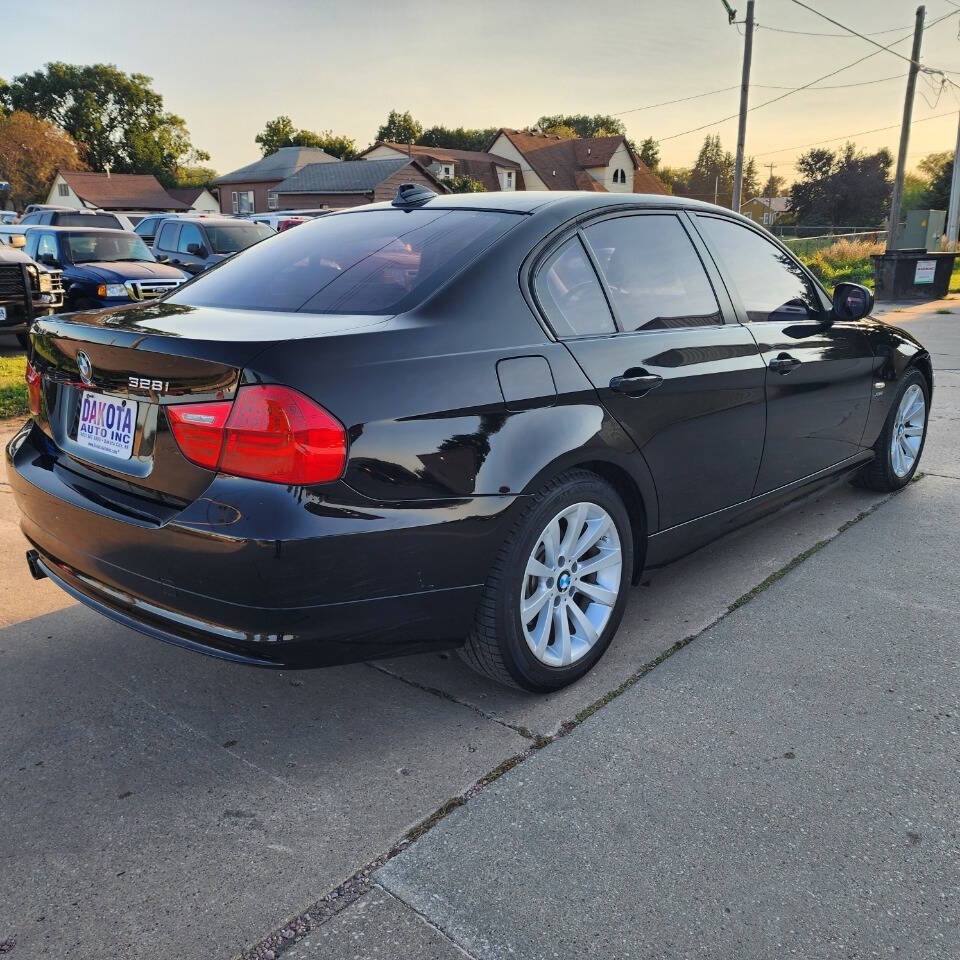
(348,892)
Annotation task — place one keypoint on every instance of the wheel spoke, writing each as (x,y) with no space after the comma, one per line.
(587,630)
(542,631)
(906,452)
(595,592)
(537,569)
(912,431)
(574,528)
(897,458)
(562,630)
(916,405)
(595,530)
(533,604)
(608,558)
(551,542)
(912,444)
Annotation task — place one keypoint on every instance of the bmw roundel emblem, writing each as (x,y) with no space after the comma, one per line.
(85,367)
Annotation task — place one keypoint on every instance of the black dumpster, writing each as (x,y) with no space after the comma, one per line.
(912,274)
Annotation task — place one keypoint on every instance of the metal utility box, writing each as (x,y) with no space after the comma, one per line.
(923,230)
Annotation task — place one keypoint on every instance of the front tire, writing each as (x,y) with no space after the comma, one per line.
(901,441)
(556,593)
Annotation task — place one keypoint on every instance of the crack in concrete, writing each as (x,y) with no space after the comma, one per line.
(524,732)
(348,892)
(430,923)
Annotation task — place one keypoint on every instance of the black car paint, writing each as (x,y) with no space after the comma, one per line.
(457,412)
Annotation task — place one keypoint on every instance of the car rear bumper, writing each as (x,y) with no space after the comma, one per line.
(356,582)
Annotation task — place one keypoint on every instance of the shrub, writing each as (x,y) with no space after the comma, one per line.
(844,260)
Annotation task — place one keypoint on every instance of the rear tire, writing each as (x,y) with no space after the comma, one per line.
(900,445)
(557,589)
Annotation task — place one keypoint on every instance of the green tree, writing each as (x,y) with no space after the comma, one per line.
(842,189)
(599,125)
(712,175)
(648,152)
(400,128)
(675,179)
(196,176)
(282,133)
(774,186)
(463,184)
(938,170)
(117,118)
(459,138)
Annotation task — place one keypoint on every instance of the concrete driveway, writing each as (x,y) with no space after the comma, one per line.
(155,803)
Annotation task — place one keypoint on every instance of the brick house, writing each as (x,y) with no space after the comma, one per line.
(351,183)
(495,173)
(250,189)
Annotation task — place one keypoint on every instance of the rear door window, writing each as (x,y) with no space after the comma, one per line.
(107,220)
(653,274)
(167,240)
(146,227)
(368,262)
(570,294)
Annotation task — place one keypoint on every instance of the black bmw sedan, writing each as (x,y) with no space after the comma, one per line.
(459,421)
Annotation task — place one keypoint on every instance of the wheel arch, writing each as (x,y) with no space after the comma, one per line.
(637,492)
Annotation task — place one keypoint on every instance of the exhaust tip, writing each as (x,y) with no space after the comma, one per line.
(33,562)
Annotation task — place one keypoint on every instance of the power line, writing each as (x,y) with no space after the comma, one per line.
(666,103)
(759,86)
(845,36)
(864,36)
(806,86)
(847,136)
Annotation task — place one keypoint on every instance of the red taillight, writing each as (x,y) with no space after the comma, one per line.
(268,433)
(34,387)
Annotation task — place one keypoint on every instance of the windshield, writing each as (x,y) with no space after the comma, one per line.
(103,220)
(234,237)
(371,262)
(103,247)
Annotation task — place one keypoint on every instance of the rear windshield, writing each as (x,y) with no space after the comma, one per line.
(234,237)
(373,262)
(107,220)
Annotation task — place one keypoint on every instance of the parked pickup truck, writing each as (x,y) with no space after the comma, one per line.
(27,290)
(101,268)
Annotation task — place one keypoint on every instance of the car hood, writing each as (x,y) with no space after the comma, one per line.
(113,272)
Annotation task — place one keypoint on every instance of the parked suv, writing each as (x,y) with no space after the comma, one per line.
(27,290)
(101,268)
(197,244)
(62,217)
(148,228)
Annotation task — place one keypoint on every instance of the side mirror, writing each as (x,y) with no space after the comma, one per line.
(851,301)
(196,249)
(48,260)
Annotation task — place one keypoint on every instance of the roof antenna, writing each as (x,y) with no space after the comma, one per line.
(412,195)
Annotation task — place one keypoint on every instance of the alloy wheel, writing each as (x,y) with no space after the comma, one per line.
(908,426)
(571,584)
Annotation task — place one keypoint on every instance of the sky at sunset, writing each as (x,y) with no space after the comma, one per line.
(228,67)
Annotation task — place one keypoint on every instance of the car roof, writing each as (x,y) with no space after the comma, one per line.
(54,228)
(573,202)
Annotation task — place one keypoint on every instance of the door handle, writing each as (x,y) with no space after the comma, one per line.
(784,363)
(635,383)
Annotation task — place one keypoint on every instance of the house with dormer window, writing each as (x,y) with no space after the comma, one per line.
(495,173)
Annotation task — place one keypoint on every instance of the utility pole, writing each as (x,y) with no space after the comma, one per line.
(953,211)
(716,188)
(897,195)
(770,196)
(744,97)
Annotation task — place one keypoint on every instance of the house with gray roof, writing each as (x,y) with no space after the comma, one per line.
(351,183)
(251,188)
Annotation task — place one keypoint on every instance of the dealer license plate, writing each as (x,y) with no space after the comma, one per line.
(107,424)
